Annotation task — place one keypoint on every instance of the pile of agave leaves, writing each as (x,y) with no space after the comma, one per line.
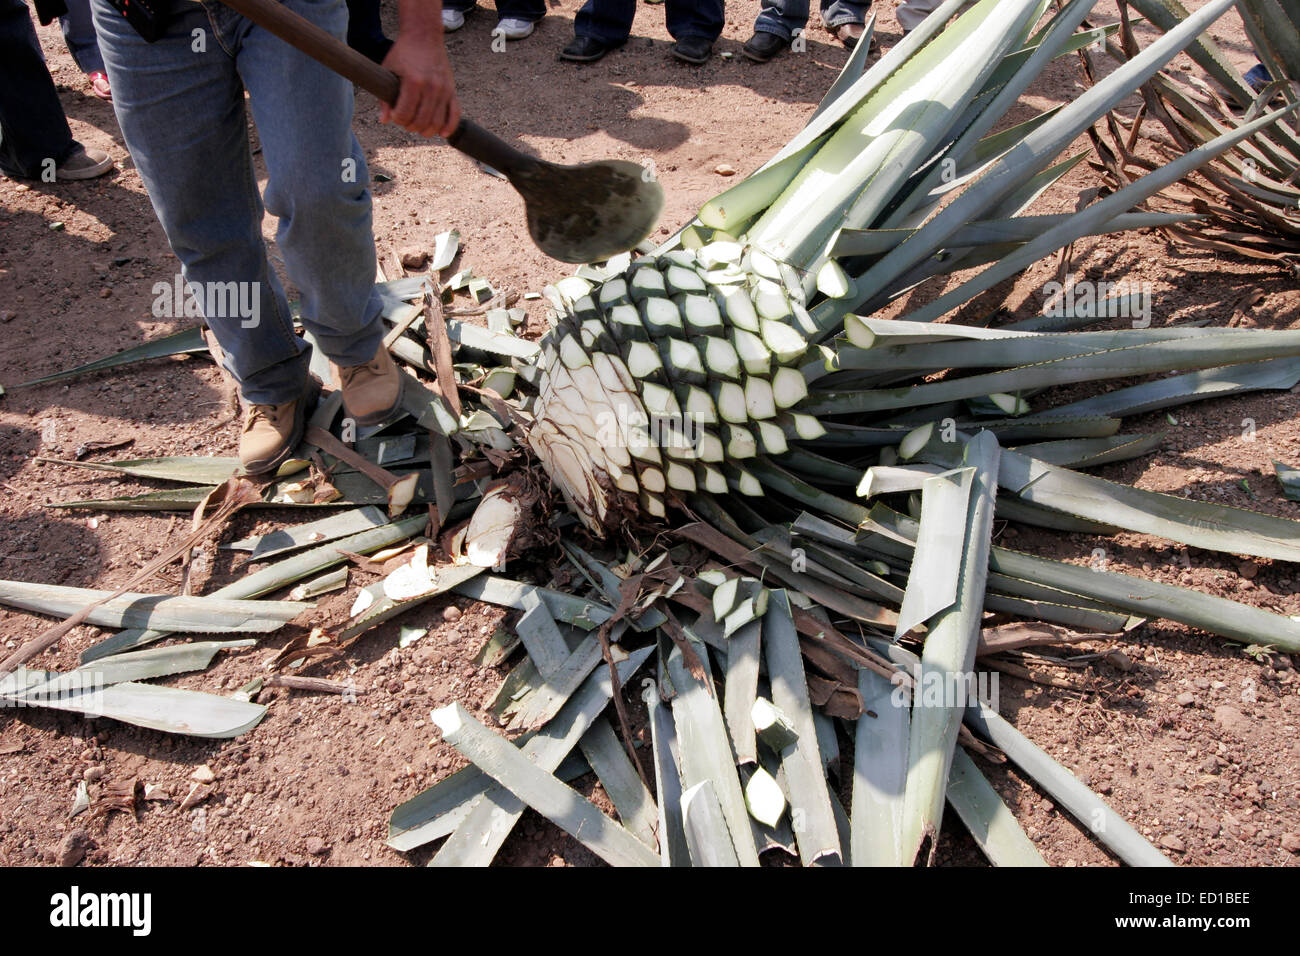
(849,575)
(1247,200)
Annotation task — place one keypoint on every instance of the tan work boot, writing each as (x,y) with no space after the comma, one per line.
(272,432)
(371,392)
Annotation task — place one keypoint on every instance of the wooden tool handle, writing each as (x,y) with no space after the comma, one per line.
(470,138)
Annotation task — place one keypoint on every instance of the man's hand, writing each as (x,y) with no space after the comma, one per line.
(426,103)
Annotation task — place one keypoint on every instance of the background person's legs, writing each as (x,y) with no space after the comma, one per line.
(33,129)
(836,13)
(609,21)
(79,34)
(695,18)
(182,115)
(782,18)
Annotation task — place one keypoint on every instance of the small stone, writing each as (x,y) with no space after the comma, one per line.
(1248,569)
(413,257)
(725,169)
(203,774)
(93,773)
(73,848)
(1185,699)
(106,292)
(394,686)
(1171,842)
(451,613)
(1119,660)
(316,846)
(1291,842)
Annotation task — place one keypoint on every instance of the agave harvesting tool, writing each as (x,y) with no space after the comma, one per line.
(583,213)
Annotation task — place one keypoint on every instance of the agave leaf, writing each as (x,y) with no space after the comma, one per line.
(879,773)
(1277,374)
(936,567)
(995,830)
(540,790)
(157,661)
(1289,479)
(707,839)
(282,540)
(168,709)
(805,773)
(1092,452)
(202,615)
(704,749)
(609,761)
(1084,805)
(673,850)
(423,818)
(188,342)
(948,659)
(1034,152)
(273,577)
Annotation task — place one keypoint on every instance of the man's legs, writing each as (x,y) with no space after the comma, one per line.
(34,133)
(910,13)
(180,105)
(318,183)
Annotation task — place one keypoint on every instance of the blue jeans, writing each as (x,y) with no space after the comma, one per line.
(783,17)
(610,21)
(182,114)
(531,10)
(79,35)
(33,128)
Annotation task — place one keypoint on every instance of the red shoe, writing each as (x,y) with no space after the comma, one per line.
(99,85)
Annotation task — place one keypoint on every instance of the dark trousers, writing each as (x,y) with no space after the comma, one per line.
(34,133)
(532,10)
(610,21)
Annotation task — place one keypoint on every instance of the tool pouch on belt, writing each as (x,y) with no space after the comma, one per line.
(149,17)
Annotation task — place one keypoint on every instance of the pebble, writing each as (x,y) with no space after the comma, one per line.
(451,613)
(316,846)
(725,169)
(394,686)
(413,257)
(1248,569)
(1119,660)
(1291,842)
(1185,699)
(92,774)
(73,848)
(203,774)
(1171,842)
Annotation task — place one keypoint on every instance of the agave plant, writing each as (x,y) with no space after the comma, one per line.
(1247,198)
(740,371)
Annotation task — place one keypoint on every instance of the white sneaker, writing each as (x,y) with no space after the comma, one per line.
(452,20)
(513,29)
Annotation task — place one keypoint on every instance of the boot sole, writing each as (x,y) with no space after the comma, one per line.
(310,396)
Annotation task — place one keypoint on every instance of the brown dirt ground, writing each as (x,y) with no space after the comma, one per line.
(1213,781)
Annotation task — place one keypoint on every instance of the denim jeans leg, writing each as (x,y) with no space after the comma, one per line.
(79,35)
(318,183)
(33,128)
(180,106)
(836,13)
(531,10)
(782,17)
(609,21)
(694,18)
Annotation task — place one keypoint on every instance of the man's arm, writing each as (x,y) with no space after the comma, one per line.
(426,103)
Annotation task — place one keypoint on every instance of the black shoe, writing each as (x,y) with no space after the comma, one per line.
(762,46)
(586,49)
(694,50)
